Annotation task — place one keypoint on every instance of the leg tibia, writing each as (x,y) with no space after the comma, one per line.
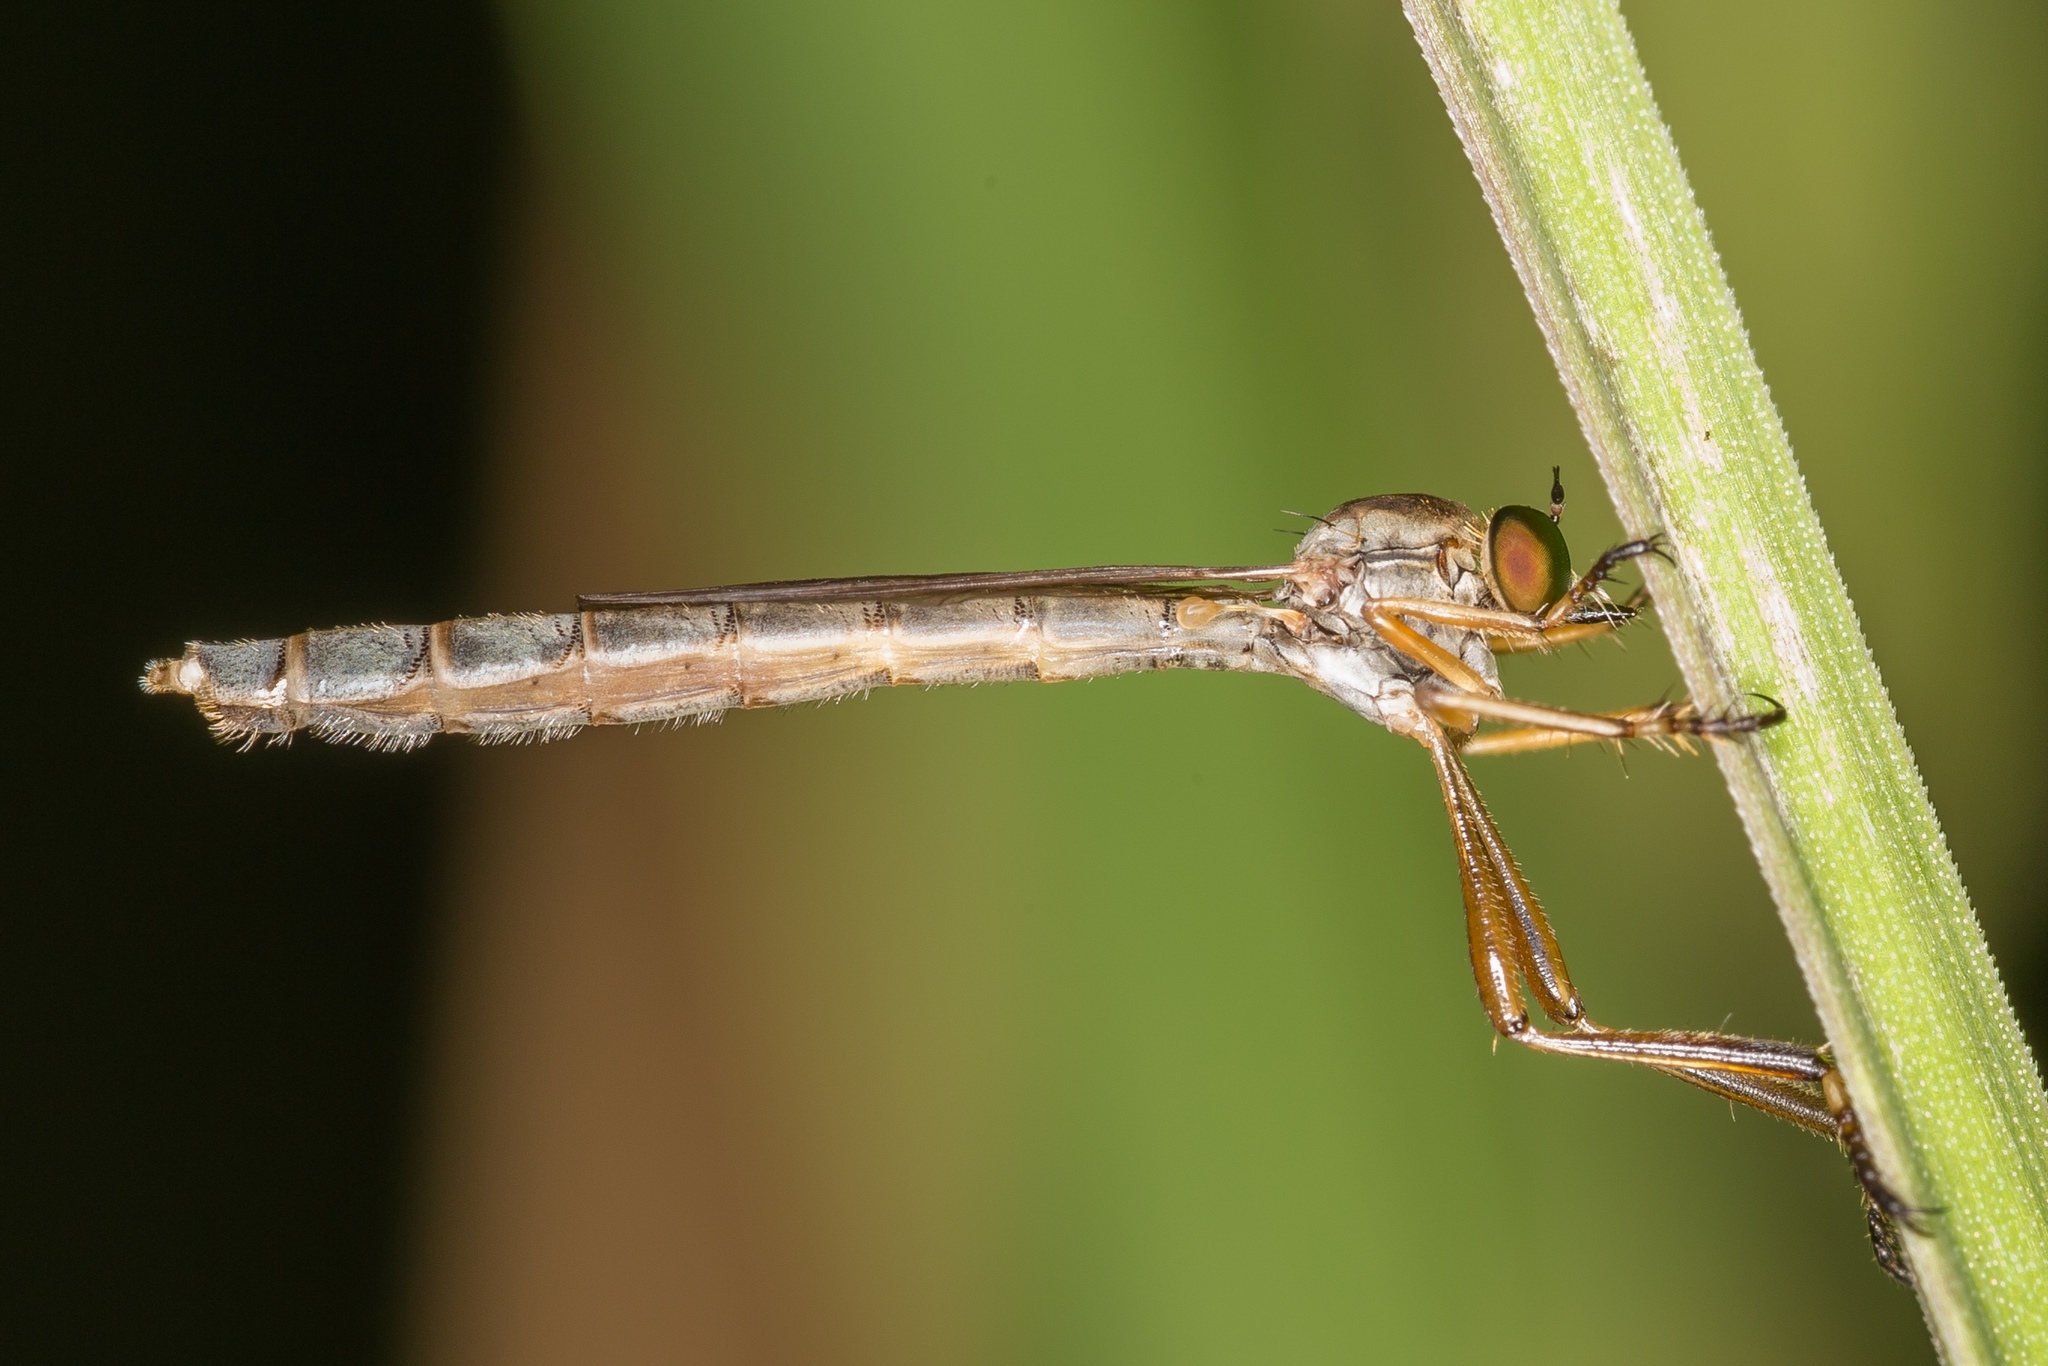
(1788,1081)
(1690,1050)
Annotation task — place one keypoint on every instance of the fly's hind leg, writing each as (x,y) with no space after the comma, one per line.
(1824,1109)
(1514,949)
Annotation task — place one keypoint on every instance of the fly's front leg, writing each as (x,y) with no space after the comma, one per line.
(1513,948)
(1586,622)
(1535,726)
(1506,632)
(1580,614)
(1384,616)
(1588,583)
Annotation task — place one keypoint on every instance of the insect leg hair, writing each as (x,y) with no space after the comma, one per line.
(1602,569)
(1571,633)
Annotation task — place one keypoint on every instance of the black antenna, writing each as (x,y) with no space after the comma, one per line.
(1556,495)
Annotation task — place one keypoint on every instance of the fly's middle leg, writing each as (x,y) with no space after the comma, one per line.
(1535,726)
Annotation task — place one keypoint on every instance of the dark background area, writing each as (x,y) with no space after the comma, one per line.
(250,262)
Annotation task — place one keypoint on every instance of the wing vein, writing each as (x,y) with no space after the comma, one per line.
(885,586)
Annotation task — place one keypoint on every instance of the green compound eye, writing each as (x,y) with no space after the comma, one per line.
(1527,559)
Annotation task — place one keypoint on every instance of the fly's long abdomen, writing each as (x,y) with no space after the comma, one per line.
(541,676)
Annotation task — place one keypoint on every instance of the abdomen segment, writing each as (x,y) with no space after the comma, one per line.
(538,677)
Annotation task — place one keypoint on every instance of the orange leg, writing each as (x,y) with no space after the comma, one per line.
(1571,633)
(1568,620)
(1507,632)
(1670,724)
(1514,950)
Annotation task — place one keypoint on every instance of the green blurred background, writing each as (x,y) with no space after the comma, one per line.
(1131,1022)
(1121,1022)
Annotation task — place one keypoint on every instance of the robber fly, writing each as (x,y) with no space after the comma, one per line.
(1393,605)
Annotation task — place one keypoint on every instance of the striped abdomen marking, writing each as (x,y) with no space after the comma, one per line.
(538,677)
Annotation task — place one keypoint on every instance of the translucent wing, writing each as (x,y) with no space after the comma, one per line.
(1129,576)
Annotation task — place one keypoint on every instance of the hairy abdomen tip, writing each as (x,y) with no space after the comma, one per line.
(165,675)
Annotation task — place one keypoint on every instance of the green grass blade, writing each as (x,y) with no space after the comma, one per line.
(1586,187)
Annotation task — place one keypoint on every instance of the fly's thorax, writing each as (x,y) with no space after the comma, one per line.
(1411,546)
(1437,574)
(1392,545)
(1391,521)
